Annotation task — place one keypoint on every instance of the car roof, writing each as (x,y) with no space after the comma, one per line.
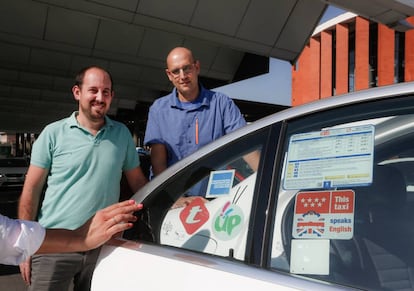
(332,102)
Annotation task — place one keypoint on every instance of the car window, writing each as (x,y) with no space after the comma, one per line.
(345,204)
(206,207)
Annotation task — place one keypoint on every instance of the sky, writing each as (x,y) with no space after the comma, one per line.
(275,86)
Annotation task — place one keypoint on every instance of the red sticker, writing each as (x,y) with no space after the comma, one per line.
(324,214)
(194,215)
(342,202)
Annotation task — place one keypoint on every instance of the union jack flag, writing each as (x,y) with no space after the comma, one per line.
(310,223)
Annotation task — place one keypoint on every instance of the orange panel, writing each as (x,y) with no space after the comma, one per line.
(386,47)
(326,64)
(361,53)
(342,58)
(313,92)
(299,80)
(409,53)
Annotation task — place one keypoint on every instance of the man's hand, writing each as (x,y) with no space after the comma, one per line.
(185,201)
(107,222)
(94,232)
(25,271)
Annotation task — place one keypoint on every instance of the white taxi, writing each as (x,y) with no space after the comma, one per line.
(316,197)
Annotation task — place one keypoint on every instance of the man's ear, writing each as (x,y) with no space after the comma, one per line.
(169,75)
(76,92)
(197,66)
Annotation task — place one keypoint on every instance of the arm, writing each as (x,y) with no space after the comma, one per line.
(32,191)
(29,203)
(95,232)
(136,179)
(21,238)
(158,158)
(252,159)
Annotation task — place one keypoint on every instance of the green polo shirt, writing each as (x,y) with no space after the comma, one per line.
(84,170)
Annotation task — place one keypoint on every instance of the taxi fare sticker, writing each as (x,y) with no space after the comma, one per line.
(324,215)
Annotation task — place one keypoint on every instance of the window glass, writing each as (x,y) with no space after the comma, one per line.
(345,202)
(206,206)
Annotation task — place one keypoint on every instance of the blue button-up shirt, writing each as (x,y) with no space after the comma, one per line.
(185,127)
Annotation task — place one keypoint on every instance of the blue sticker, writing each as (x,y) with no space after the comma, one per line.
(220,183)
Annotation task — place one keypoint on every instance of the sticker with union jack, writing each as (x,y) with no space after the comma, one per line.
(324,214)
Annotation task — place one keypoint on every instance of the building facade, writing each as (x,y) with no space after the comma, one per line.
(351,53)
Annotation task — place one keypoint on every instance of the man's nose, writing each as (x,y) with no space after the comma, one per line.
(181,73)
(99,96)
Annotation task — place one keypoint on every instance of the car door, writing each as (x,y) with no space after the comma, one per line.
(344,199)
(240,213)
(195,231)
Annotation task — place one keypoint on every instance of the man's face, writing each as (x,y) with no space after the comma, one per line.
(183,72)
(94,95)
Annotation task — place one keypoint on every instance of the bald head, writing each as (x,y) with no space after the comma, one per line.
(182,70)
(179,53)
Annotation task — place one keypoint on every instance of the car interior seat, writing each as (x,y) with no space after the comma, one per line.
(380,255)
(381,232)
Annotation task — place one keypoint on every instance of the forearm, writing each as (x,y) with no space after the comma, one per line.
(28,205)
(158,158)
(158,168)
(62,240)
(136,179)
(32,191)
(96,231)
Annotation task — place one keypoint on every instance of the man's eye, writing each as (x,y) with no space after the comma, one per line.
(175,72)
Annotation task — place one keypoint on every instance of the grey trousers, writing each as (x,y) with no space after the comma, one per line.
(56,272)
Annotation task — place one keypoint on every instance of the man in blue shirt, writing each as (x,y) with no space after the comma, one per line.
(189,117)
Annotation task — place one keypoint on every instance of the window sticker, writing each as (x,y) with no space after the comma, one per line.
(324,215)
(220,183)
(309,257)
(228,221)
(336,157)
(194,215)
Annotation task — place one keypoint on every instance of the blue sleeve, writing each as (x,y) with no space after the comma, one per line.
(152,132)
(233,119)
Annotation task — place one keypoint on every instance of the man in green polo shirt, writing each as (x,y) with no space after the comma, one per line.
(80,160)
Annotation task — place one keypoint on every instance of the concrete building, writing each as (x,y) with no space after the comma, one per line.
(351,53)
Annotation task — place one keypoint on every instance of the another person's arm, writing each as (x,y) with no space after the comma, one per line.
(136,179)
(32,192)
(29,204)
(158,158)
(253,159)
(96,231)
(21,238)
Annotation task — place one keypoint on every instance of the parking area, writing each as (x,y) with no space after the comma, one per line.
(10,279)
(8,202)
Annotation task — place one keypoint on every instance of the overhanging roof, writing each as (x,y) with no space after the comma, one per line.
(44,42)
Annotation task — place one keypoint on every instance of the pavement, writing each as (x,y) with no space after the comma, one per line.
(10,279)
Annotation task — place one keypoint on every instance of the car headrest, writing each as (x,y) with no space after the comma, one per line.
(387,194)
